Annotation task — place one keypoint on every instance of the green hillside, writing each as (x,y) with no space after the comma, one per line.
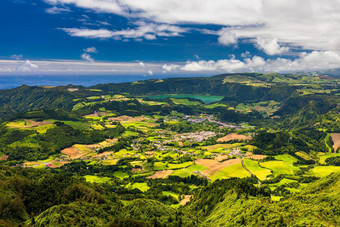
(245,149)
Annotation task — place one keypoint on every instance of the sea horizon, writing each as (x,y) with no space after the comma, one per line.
(13,81)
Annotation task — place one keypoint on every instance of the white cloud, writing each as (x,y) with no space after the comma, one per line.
(103,23)
(87,57)
(89,33)
(200,66)
(90,50)
(141,64)
(57,10)
(107,6)
(314,61)
(27,66)
(246,54)
(150,37)
(226,37)
(170,67)
(144,30)
(270,47)
(16,57)
(66,67)
(310,24)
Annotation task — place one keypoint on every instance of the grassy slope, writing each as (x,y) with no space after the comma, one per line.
(279,167)
(255,169)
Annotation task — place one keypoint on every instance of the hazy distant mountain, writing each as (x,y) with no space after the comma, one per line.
(331,72)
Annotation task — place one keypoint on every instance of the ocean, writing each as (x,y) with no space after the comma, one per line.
(7,82)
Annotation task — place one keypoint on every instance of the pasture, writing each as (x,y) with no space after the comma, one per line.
(141,186)
(234,170)
(96,179)
(255,169)
(280,167)
(322,171)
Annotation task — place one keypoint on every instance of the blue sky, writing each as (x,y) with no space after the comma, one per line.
(175,37)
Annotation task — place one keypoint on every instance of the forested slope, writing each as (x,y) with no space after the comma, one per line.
(222,205)
(40,198)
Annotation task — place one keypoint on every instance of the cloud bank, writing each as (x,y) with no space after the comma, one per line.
(314,61)
(309,24)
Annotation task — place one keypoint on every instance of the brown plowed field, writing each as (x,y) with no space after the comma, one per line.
(73,152)
(127,118)
(255,156)
(33,124)
(336,140)
(4,157)
(185,200)
(233,136)
(161,174)
(215,166)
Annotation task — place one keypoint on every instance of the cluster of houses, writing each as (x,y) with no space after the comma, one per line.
(210,118)
(194,136)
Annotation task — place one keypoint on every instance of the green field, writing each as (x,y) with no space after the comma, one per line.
(181,165)
(283,181)
(109,162)
(181,173)
(188,171)
(323,171)
(159,166)
(19,123)
(279,167)
(129,133)
(255,169)
(96,179)
(185,102)
(141,186)
(323,156)
(78,125)
(169,193)
(275,198)
(235,170)
(120,174)
(286,158)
